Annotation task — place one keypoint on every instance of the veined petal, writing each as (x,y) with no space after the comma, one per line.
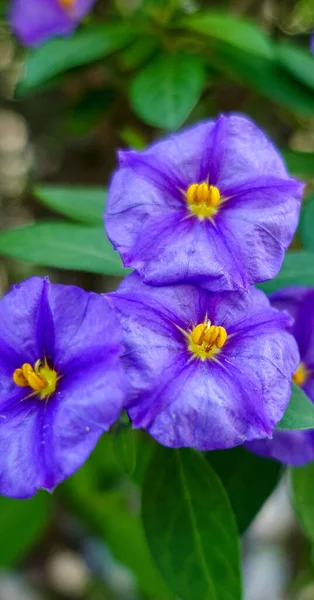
(294,448)
(243,152)
(240,394)
(62,383)
(220,213)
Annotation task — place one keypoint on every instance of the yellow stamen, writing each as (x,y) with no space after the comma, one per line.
(67,5)
(205,340)
(40,378)
(203,199)
(301,375)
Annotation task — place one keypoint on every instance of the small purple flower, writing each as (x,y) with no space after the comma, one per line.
(204,370)
(295,447)
(212,206)
(61,382)
(35,21)
(312,43)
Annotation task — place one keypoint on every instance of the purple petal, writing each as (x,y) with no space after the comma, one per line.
(19,313)
(312,43)
(35,21)
(294,448)
(44,441)
(289,299)
(151,226)
(243,153)
(206,405)
(257,227)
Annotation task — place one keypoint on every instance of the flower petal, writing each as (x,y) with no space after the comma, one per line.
(242,152)
(181,401)
(20,313)
(257,227)
(35,21)
(149,222)
(42,441)
(294,448)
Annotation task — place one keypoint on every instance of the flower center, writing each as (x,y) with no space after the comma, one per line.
(205,340)
(203,199)
(67,5)
(301,375)
(41,379)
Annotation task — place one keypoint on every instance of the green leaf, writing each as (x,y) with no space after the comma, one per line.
(306,226)
(236,31)
(82,47)
(138,53)
(90,111)
(22,522)
(297,61)
(167,89)
(190,526)
(297,269)
(264,75)
(302,491)
(300,164)
(63,245)
(84,204)
(299,413)
(248,480)
(124,446)
(97,494)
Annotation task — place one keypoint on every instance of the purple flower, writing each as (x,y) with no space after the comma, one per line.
(61,382)
(312,43)
(204,370)
(295,447)
(212,206)
(35,21)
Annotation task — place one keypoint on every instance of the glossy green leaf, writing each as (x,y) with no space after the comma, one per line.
(302,491)
(306,226)
(297,61)
(96,494)
(190,526)
(167,89)
(138,53)
(63,245)
(265,76)
(300,164)
(90,111)
(84,204)
(299,413)
(22,523)
(124,446)
(248,480)
(236,31)
(82,47)
(297,269)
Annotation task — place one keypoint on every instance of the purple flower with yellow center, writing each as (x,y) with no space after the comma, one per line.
(295,447)
(212,205)
(35,21)
(205,370)
(61,382)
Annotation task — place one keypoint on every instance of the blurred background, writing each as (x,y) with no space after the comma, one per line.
(134,70)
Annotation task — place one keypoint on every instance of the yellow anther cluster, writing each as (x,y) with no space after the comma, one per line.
(203,199)
(206,340)
(40,378)
(67,4)
(301,375)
